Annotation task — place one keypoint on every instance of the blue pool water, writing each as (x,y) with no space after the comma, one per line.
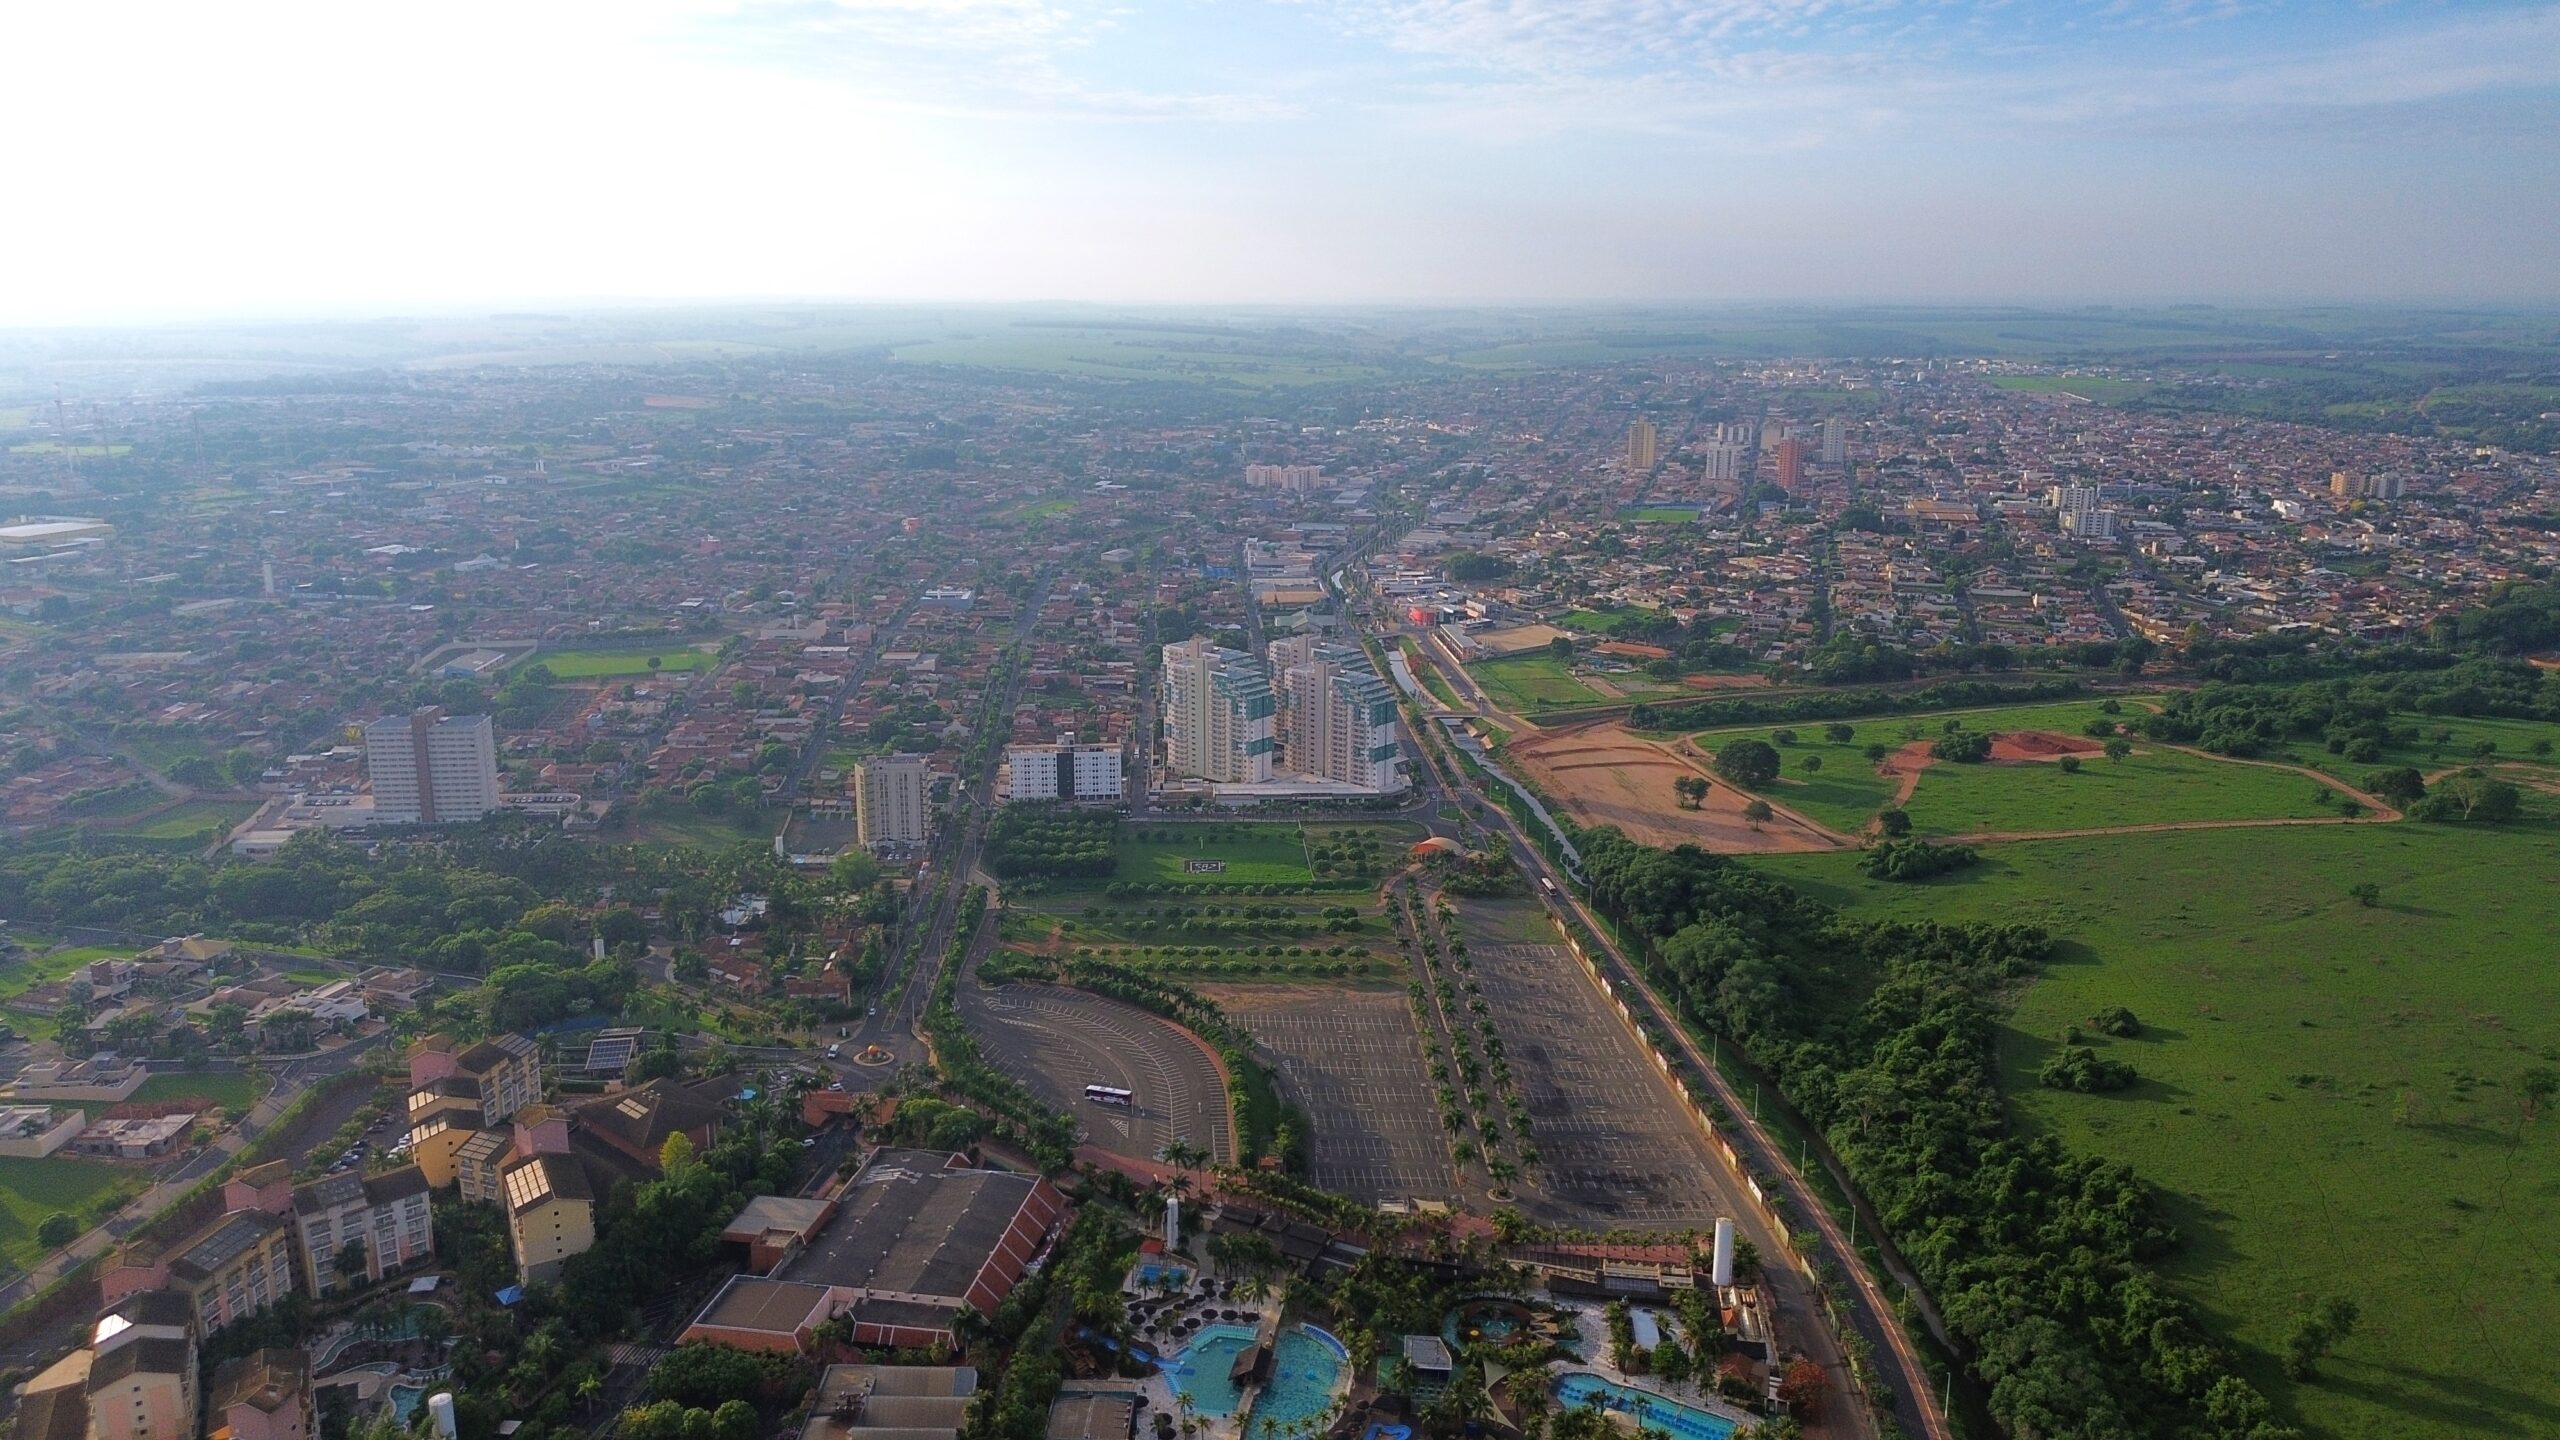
(1200,1368)
(1683,1421)
(1305,1366)
(405,1400)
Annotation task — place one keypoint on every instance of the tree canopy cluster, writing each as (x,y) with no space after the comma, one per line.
(1884,1035)
(1846,704)
(1051,840)
(1915,859)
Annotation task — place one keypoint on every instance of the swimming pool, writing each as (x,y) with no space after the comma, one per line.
(1199,1369)
(1306,1364)
(405,1400)
(1685,1422)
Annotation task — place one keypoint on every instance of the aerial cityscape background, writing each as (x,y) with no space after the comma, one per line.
(1280,720)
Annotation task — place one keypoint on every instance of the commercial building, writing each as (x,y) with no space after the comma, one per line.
(892,1402)
(917,1237)
(44,532)
(893,801)
(1218,710)
(428,767)
(1336,719)
(1643,445)
(385,1218)
(1065,771)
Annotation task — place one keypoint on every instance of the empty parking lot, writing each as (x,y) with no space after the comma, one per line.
(1350,1058)
(1615,1146)
(1059,1041)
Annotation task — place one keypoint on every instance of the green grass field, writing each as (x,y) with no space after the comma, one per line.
(1658,514)
(1531,682)
(2151,786)
(187,822)
(30,1190)
(2328,1096)
(1847,792)
(1254,854)
(618,664)
(676,823)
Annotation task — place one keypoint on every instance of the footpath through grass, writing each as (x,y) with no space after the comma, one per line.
(2328,1097)
(2151,786)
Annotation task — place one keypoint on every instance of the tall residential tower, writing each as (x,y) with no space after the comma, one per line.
(428,767)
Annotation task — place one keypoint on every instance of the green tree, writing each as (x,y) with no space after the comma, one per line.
(58,1230)
(2117,749)
(2316,1332)
(1748,762)
(1758,812)
(2366,893)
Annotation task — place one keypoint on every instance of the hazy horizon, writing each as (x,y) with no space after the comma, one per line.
(333,162)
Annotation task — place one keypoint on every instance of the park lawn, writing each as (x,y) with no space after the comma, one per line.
(1254,854)
(1590,622)
(678,823)
(1531,682)
(32,1189)
(1659,514)
(188,822)
(620,663)
(2153,785)
(17,977)
(2328,1099)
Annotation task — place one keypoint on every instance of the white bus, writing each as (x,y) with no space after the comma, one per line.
(1108,1095)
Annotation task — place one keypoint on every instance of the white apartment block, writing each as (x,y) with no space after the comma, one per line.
(1721,461)
(1835,442)
(1285,477)
(1064,771)
(893,800)
(429,768)
(1217,711)
(1337,719)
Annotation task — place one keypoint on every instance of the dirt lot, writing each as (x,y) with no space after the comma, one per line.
(1605,776)
(2019,746)
(1350,1058)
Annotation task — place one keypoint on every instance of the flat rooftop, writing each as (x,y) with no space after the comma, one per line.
(910,1225)
(773,1307)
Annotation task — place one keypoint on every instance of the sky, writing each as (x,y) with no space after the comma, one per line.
(271,157)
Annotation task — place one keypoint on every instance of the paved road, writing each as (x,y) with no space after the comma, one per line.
(1058,1041)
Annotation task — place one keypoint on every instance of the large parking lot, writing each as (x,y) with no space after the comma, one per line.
(1058,1041)
(1350,1058)
(1615,1146)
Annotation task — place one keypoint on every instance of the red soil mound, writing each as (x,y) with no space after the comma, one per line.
(2041,745)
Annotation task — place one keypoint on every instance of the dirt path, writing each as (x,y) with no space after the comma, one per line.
(1988,837)
(2383,809)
